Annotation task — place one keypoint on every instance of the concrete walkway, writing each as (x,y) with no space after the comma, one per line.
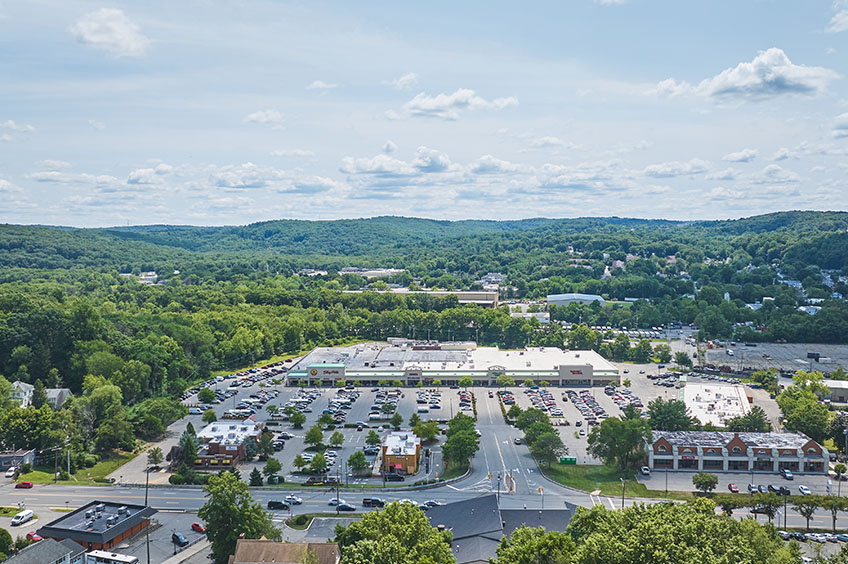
(196,553)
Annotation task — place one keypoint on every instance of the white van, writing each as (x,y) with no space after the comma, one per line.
(375,417)
(195,411)
(22,517)
(423,409)
(10,473)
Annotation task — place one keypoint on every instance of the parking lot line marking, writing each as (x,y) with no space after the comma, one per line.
(612,505)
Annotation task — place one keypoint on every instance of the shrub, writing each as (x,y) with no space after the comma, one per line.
(300,520)
(26,468)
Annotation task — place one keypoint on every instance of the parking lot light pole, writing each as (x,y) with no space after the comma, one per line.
(622,492)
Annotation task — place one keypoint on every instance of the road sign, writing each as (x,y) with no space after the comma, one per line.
(568,460)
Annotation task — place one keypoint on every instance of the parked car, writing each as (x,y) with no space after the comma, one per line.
(644,470)
(10,473)
(517,440)
(23,485)
(733,488)
(179,539)
(199,527)
(392,477)
(752,488)
(33,536)
(762,489)
(804,490)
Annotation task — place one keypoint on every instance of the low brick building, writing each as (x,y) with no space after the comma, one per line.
(401,452)
(99,525)
(715,451)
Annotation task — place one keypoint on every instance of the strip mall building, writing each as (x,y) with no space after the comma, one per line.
(713,451)
(410,362)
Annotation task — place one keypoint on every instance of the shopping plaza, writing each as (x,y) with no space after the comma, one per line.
(410,362)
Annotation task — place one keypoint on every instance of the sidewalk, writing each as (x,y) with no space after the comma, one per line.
(133,472)
(195,554)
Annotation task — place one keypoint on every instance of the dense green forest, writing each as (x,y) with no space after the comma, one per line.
(232,295)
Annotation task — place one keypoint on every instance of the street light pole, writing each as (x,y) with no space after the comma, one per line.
(147,528)
(622,492)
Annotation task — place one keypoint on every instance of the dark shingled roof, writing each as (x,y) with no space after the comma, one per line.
(478,524)
(42,552)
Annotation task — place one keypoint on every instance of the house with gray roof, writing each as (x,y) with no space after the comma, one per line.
(49,551)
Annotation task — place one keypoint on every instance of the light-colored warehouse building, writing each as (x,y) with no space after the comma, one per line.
(565,299)
(410,362)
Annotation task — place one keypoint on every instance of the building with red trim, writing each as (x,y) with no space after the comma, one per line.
(714,451)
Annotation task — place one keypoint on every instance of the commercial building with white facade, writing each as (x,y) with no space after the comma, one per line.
(410,362)
(716,451)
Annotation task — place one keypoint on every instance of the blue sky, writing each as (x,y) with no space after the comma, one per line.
(212,113)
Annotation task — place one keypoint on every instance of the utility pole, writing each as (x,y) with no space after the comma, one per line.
(622,492)
(499,488)
(147,528)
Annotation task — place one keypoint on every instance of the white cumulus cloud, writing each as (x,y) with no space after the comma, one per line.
(840,126)
(112,31)
(743,156)
(487,164)
(449,106)
(270,117)
(389,147)
(431,160)
(547,141)
(770,74)
(839,21)
(13,126)
(676,168)
(320,85)
(402,83)
(300,153)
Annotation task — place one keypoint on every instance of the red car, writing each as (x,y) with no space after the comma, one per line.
(24,485)
(33,536)
(733,488)
(199,527)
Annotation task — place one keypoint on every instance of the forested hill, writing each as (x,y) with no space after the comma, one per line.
(814,237)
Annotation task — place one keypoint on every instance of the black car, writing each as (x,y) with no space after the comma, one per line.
(392,477)
(179,539)
(373,502)
(279,505)
(346,507)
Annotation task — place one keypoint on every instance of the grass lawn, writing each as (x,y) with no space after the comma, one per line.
(310,516)
(608,480)
(454,472)
(85,476)
(9,511)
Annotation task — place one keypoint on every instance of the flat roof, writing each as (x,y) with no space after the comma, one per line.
(230,432)
(79,527)
(715,403)
(721,438)
(401,443)
(383,358)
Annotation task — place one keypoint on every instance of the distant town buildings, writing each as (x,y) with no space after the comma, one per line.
(371,272)
(565,299)
(22,393)
(483,299)
(311,272)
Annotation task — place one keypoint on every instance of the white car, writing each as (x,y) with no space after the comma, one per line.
(804,490)
(293,499)
(645,471)
(10,473)
(334,501)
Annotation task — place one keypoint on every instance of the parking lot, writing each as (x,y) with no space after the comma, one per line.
(789,356)
(358,408)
